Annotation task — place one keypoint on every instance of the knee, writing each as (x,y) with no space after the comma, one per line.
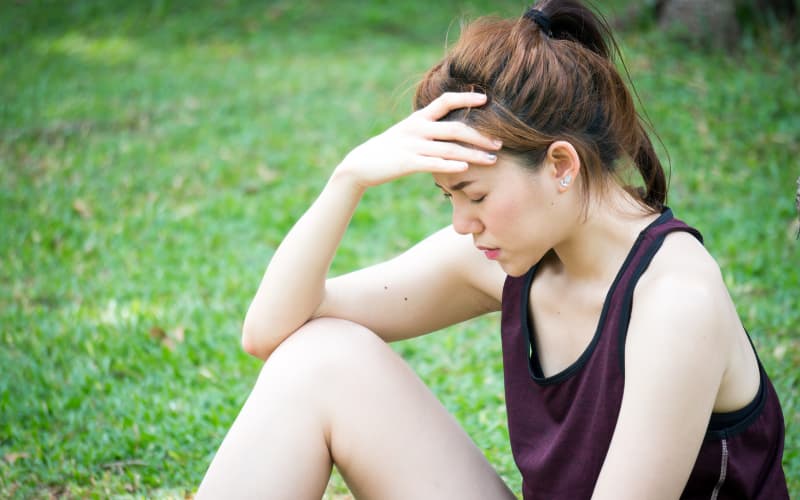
(325,339)
(326,349)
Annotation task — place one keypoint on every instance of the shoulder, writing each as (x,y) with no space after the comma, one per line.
(683,276)
(681,304)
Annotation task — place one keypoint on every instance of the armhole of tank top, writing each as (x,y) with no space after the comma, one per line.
(728,424)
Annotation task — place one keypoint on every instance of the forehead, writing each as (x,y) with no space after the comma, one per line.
(456,181)
(504,168)
(474,173)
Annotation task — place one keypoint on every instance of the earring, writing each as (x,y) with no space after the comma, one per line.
(565,180)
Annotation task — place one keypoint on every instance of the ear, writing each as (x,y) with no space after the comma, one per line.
(566,164)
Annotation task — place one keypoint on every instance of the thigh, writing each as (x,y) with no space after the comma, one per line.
(387,433)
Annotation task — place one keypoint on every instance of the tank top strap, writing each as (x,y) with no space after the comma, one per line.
(645,248)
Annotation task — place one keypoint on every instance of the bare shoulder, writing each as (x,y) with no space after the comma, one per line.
(684,316)
(683,272)
(683,255)
(683,298)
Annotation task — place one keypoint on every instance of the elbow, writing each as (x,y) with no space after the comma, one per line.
(252,348)
(254,342)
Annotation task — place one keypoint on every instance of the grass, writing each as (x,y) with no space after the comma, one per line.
(153,154)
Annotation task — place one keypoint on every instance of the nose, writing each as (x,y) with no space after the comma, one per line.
(465,220)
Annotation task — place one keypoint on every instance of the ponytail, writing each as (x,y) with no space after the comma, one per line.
(655,182)
(570,20)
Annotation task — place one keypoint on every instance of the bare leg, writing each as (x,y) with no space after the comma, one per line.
(335,392)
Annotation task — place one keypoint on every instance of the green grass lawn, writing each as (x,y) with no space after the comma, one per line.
(153,154)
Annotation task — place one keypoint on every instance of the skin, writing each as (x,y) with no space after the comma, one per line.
(332,392)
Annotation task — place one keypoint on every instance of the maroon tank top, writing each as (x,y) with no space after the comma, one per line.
(561,426)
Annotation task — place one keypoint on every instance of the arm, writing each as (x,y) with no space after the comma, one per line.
(293,286)
(440,281)
(302,260)
(675,359)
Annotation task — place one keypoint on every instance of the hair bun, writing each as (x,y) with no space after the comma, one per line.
(571,20)
(541,20)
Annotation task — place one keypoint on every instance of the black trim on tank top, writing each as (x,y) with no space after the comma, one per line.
(627,300)
(534,366)
(726,425)
(644,263)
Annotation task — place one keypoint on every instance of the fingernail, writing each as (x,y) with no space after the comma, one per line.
(497,142)
(491,156)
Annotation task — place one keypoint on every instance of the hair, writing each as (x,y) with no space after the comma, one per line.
(546,83)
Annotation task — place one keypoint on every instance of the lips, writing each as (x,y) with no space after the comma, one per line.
(490,253)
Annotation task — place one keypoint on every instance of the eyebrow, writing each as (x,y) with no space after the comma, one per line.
(458,186)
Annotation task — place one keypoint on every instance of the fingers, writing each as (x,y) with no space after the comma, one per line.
(449,101)
(459,132)
(453,130)
(435,164)
(456,152)
(422,143)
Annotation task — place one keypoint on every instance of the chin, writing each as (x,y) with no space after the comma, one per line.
(513,270)
(518,268)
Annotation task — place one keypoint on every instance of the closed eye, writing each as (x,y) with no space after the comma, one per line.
(476,200)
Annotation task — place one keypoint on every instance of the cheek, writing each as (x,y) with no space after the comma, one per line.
(529,225)
(515,212)
(503,218)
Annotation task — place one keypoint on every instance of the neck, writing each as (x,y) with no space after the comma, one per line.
(597,247)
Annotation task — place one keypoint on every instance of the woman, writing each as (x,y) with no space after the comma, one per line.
(628,372)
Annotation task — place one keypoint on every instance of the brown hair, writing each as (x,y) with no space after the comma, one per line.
(549,76)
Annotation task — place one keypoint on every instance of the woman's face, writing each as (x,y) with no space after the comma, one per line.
(512,212)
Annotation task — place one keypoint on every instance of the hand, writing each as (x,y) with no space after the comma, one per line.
(421,143)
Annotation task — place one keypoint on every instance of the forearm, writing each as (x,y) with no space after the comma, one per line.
(293,285)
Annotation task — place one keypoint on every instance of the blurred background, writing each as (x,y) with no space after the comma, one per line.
(153,154)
